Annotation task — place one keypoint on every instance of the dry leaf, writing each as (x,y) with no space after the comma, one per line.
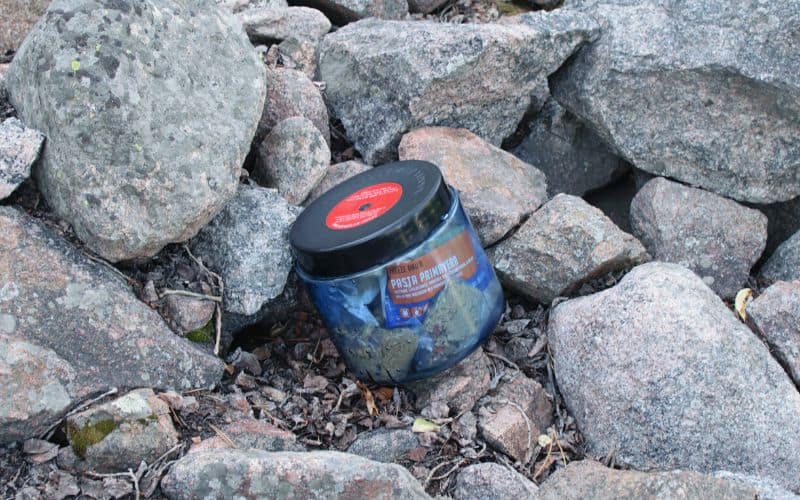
(544,440)
(424,425)
(743,298)
(368,399)
(40,451)
(315,383)
(384,394)
(230,369)
(417,454)
(261,353)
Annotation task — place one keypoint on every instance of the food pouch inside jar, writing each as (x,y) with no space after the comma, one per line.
(400,278)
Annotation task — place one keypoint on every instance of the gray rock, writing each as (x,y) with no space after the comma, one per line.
(660,373)
(247,245)
(296,53)
(497,189)
(133,159)
(562,245)
(36,386)
(250,433)
(19,148)
(776,314)
(672,86)
(784,264)
(17,20)
(336,174)
(86,326)
(573,158)
(384,445)
(240,5)
(515,416)
(293,159)
(291,93)
(261,474)
(590,479)
(767,489)
(459,388)
(345,11)
(186,314)
(492,480)
(385,78)
(717,238)
(271,24)
(118,435)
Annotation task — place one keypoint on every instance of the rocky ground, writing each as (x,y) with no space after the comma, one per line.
(631,169)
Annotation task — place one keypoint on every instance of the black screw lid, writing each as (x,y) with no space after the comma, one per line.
(370,218)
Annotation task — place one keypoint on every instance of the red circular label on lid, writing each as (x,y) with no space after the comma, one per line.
(364,205)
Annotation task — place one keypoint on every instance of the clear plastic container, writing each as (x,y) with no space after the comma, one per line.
(401,282)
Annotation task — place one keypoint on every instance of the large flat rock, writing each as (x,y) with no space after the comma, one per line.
(660,373)
(79,329)
(384,78)
(703,91)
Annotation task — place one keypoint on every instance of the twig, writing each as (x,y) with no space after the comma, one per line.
(548,461)
(527,423)
(223,436)
(217,309)
(127,279)
(504,359)
(167,453)
(129,474)
(433,471)
(78,408)
(217,328)
(187,293)
(446,474)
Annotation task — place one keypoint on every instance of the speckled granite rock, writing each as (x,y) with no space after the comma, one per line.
(776,314)
(496,188)
(516,415)
(118,435)
(149,108)
(335,174)
(572,157)
(385,78)
(384,445)
(563,244)
(316,474)
(784,263)
(587,478)
(81,326)
(247,244)
(715,237)
(19,148)
(672,86)
(291,93)
(459,388)
(492,480)
(660,350)
(270,24)
(344,11)
(293,159)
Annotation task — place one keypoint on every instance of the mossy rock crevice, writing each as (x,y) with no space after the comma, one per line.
(81,438)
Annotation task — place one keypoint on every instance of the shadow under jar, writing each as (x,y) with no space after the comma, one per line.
(397,272)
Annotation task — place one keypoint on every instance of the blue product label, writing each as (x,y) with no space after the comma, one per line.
(412,285)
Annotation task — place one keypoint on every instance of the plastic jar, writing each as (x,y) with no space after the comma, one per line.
(397,272)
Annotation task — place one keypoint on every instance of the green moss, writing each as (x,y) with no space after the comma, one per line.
(82,438)
(512,8)
(202,335)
